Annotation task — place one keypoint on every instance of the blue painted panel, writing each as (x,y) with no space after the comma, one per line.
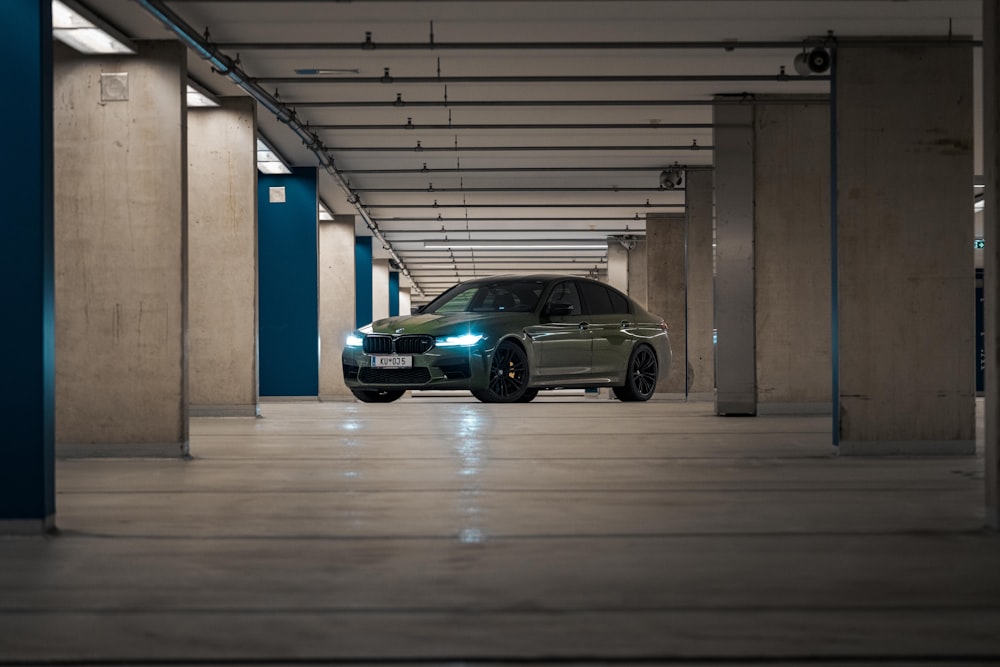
(362,280)
(289,291)
(393,293)
(27,477)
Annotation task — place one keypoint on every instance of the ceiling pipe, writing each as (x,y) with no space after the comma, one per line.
(504,170)
(226,66)
(420,148)
(435,205)
(565,78)
(523,126)
(610,188)
(444,104)
(724,45)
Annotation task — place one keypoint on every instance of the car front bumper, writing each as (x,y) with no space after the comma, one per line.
(438,368)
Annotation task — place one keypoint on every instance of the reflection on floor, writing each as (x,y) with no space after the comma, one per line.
(577,529)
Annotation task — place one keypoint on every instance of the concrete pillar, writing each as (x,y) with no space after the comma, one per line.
(121,253)
(667,288)
(637,280)
(617,265)
(336,302)
(904,238)
(380,289)
(27,479)
(222,254)
(735,375)
(405,305)
(700,224)
(991,163)
(792,255)
(288,251)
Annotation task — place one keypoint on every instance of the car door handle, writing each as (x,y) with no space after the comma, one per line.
(584,326)
(626,324)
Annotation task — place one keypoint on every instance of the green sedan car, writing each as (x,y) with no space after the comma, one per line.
(506,338)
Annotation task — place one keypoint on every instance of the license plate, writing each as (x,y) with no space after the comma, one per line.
(394,361)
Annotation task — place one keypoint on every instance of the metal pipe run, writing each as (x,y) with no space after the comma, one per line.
(307,78)
(610,188)
(226,66)
(420,148)
(725,45)
(513,170)
(436,104)
(435,205)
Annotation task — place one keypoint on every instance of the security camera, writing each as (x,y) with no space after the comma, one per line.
(671,179)
(816,61)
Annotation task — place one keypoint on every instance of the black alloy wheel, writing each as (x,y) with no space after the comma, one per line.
(376,395)
(640,376)
(508,381)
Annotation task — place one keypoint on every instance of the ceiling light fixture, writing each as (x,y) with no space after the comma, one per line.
(199,97)
(81,29)
(268,160)
(515,245)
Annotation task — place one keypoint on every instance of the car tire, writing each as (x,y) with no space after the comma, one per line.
(508,375)
(640,376)
(376,395)
(528,396)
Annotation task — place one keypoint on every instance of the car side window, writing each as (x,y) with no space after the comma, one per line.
(598,299)
(566,292)
(619,302)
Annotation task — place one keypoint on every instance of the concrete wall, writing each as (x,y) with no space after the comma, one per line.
(380,289)
(121,258)
(222,269)
(336,302)
(904,245)
(405,305)
(667,288)
(700,282)
(637,286)
(617,265)
(991,163)
(792,254)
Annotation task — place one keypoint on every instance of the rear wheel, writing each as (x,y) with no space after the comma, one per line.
(528,396)
(508,380)
(640,376)
(376,395)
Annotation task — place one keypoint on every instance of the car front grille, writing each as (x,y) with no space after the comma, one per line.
(377,344)
(405,376)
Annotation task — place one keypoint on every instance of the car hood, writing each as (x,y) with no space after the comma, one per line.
(446,324)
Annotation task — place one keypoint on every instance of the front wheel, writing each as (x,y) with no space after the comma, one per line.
(508,381)
(376,395)
(640,376)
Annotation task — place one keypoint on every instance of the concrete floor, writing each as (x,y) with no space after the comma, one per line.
(584,531)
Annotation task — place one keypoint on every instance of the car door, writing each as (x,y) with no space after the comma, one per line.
(609,319)
(561,339)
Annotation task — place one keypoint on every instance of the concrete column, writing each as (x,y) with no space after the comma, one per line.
(27,479)
(617,265)
(904,237)
(666,294)
(380,289)
(336,302)
(991,163)
(792,255)
(700,225)
(735,376)
(222,250)
(404,301)
(637,280)
(121,252)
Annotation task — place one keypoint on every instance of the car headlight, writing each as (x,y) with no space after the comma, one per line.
(354,340)
(465,340)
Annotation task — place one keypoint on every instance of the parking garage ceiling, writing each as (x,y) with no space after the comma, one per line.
(541,123)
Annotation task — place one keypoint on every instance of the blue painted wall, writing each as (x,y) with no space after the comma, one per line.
(289,292)
(27,337)
(362,280)
(393,293)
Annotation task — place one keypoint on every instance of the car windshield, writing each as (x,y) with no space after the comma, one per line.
(517,296)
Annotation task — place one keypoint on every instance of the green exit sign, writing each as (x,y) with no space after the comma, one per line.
(980,243)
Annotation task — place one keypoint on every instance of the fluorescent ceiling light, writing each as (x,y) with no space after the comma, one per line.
(515,245)
(980,205)
(200,97)
(268,161)
(82,30)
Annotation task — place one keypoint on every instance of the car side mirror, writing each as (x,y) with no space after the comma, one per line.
(558,309)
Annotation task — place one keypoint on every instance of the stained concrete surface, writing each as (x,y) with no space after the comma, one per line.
(442,530)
